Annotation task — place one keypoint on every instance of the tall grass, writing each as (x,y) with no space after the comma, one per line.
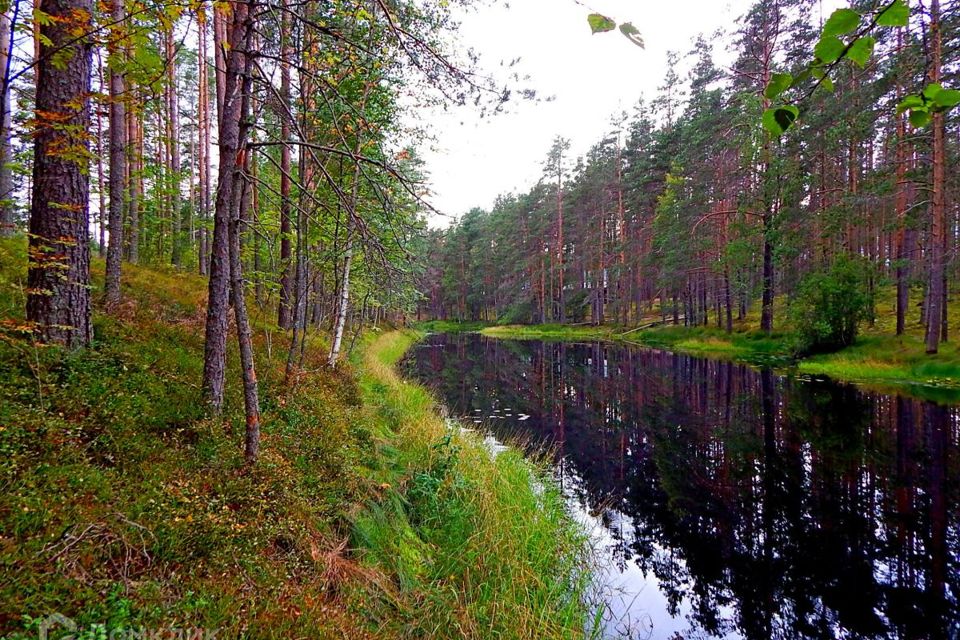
(481,543)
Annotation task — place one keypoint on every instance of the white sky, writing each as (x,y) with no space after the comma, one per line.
(591,77)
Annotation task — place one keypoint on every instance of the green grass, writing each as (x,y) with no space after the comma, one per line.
(123,504)
(751,346)
(563,332)
(897,363)
(878,358)
(482,543)
(450,326)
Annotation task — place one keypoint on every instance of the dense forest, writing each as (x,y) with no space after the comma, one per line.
(205,206)
(690,211)
(263,145)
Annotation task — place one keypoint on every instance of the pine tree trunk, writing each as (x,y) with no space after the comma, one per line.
(58,298)
(135,171)
(118,157)
(241,201)
(938,200)
(173,145)
(203,90)
(284,319)
(230,169)
(904,251)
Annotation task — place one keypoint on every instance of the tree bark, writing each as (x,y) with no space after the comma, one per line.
(240,214)
(135,171)
(173,146)
(284,314)
(58,296)
(118,156)
(203,91)
(230,168)
(938,200)
(7,208)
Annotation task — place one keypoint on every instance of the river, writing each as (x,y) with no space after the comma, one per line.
(727,501)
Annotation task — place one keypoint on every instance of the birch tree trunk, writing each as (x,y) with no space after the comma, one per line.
(7,209)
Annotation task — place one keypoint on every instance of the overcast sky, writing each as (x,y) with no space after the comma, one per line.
(590,76)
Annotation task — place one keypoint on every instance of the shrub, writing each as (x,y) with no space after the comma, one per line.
(829,306)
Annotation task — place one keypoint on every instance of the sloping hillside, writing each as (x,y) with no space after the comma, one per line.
(123,505)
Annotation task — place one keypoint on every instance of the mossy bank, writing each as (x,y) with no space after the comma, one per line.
(125,507)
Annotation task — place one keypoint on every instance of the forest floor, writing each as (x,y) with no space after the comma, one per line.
(879,358)
(367,515)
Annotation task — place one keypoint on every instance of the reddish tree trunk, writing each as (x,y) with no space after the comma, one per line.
(58,297)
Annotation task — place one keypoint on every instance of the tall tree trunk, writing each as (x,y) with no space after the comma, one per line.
(561,301)
(135,171)
(230,170)
(938,199)
(203,112)
(241,199)
(173,145)
(904,253)
(101,174)
(118,155)
(284,317)
(7,209)
(58,298)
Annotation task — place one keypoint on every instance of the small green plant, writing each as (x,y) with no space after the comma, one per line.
(829,306)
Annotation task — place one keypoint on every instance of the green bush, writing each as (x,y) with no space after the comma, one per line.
(829,306)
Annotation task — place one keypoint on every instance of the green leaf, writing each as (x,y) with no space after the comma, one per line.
(841,21)
(632,34)
(827,84)
(779,83)
(802,77)
(897,14)
(931,90)
(42,18)
(947,98)
(861,50)
(786,115)
(829,48)
(909,102)
(919,118)
(777,120)
(600,23)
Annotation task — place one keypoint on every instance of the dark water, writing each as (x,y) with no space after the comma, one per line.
(731,502)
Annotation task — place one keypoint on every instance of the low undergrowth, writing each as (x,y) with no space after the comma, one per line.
(124,507)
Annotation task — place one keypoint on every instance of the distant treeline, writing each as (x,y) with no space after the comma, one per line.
(690,209)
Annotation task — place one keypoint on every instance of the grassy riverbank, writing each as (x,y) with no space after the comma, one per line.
(125,506)
(485,547)
(878,357)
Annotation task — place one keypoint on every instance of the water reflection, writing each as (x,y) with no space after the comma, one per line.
(736,503)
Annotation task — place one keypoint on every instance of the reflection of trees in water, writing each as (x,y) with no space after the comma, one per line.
(804,506)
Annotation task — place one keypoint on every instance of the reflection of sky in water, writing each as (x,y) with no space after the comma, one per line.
(636,607)
(726,502)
